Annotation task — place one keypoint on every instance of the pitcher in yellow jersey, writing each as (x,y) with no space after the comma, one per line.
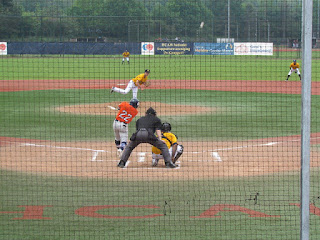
(134,84)
(294,67)
(171,140)
(125,55)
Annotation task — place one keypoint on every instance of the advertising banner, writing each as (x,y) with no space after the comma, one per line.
(253,48)
(213,48)
(147,48)
(3,48)
(173,48)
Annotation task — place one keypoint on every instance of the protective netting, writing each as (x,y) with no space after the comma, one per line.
(226,77)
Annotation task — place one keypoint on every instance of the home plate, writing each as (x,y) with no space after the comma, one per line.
(141,156)
(216,156)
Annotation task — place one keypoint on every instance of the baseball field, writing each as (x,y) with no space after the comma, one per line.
(237,118)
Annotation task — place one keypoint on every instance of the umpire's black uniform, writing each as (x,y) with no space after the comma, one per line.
(146,127)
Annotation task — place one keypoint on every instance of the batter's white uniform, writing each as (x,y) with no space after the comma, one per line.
(120,130)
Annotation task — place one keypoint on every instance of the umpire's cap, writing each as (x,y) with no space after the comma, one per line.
(151,111)
(147,70)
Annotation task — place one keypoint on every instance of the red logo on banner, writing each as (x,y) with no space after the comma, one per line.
(148,47)
(3,47)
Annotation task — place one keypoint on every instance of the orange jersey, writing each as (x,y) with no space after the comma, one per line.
(294,66)
(126,54)
(126,112)
(140,79)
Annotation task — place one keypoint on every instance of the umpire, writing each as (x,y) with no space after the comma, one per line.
(146,127)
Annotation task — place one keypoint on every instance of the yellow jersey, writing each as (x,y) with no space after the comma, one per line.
(126,54)
(294,66)
(170,140)
(140,79)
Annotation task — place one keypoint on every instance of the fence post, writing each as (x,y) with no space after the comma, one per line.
(305,117)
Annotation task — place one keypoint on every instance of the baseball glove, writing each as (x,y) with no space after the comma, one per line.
(147,84)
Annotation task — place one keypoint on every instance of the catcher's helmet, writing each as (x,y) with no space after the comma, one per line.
(294,60)
(166,127)
(151,111)
(134,102)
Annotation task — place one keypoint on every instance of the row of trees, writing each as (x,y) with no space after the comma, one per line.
(146,20)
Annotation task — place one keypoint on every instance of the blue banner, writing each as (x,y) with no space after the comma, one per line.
(82,48)
(173,48)
(213,49)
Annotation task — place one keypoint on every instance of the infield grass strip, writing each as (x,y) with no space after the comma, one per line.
(177,203)
(162,67)
(234,115)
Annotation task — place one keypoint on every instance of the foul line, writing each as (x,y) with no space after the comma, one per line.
(259,145)
(95,152)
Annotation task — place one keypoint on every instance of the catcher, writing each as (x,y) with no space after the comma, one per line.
(294,67)
(125,55)
(171,141)
(134,84)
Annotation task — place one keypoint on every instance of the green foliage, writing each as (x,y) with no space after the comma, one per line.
(251,20)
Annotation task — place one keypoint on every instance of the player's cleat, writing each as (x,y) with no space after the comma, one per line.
(287,79)
(170,165)
(121,164)
(155,162)
(119,152)
(112,90)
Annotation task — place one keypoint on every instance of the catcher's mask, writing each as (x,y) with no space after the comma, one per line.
(151,111)
(134,102)
(166,127)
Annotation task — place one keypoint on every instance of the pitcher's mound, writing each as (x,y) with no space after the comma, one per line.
(110,108)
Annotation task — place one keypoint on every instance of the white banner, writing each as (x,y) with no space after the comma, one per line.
(253,48)
(3,48)
(147,48)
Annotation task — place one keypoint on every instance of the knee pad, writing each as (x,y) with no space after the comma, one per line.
(180,149)
(179,153)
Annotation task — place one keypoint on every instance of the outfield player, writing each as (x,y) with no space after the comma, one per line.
(125,55)
(171,140)
(294,67)
(134,84)
(127,111)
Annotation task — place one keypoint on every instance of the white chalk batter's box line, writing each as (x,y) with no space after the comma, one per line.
(214,152)
(95,152)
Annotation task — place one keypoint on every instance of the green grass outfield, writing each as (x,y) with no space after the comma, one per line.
(239,116)
(162,67)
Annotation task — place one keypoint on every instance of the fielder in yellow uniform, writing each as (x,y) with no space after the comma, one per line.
(294,67)
(134,84)
(171,141)
(125,55)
